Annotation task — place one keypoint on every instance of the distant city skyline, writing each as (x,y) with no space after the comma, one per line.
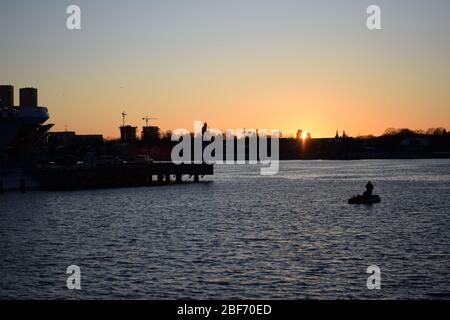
(288,65)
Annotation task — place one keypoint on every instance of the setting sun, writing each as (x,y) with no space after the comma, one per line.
(305,135)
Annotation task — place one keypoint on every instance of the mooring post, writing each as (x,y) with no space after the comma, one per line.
(160,178)
(23,186)
(196,178)
(178,178)
(167,178)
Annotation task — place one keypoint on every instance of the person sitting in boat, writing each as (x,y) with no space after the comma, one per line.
(369,189)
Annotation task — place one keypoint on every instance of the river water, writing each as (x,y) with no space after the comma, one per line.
(240,235)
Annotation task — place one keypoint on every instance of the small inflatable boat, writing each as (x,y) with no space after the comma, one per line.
(364,199)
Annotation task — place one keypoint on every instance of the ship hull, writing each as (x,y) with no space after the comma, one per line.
(15,121)
(20,128)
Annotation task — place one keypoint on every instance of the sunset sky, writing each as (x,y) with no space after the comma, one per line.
(284,64)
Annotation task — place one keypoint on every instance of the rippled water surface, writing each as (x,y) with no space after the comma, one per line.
(240,235)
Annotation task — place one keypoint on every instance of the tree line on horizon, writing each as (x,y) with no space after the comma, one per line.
(439,131)
(390,132)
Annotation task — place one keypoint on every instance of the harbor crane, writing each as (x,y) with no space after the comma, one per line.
(147,119)
(123,118)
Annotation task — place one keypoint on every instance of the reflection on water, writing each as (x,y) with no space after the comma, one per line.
(290,236)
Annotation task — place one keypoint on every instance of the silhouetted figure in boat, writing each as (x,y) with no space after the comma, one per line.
(367,197)
(369,189)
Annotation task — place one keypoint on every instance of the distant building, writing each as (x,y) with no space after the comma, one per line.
(61,138)
(6,96)
(70,137)
(128,133)
(89,139)
(28,97)
(150,133)
(344,135)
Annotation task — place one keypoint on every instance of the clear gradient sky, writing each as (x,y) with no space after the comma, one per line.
(284,64)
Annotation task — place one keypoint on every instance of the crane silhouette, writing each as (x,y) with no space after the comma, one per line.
(147,119)
(123,118)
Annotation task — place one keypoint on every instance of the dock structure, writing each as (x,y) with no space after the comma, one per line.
(157,173)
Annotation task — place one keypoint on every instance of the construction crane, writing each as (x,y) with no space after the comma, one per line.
(123,118)
(147,119)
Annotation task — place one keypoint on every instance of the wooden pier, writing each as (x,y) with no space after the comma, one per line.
(158,173)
